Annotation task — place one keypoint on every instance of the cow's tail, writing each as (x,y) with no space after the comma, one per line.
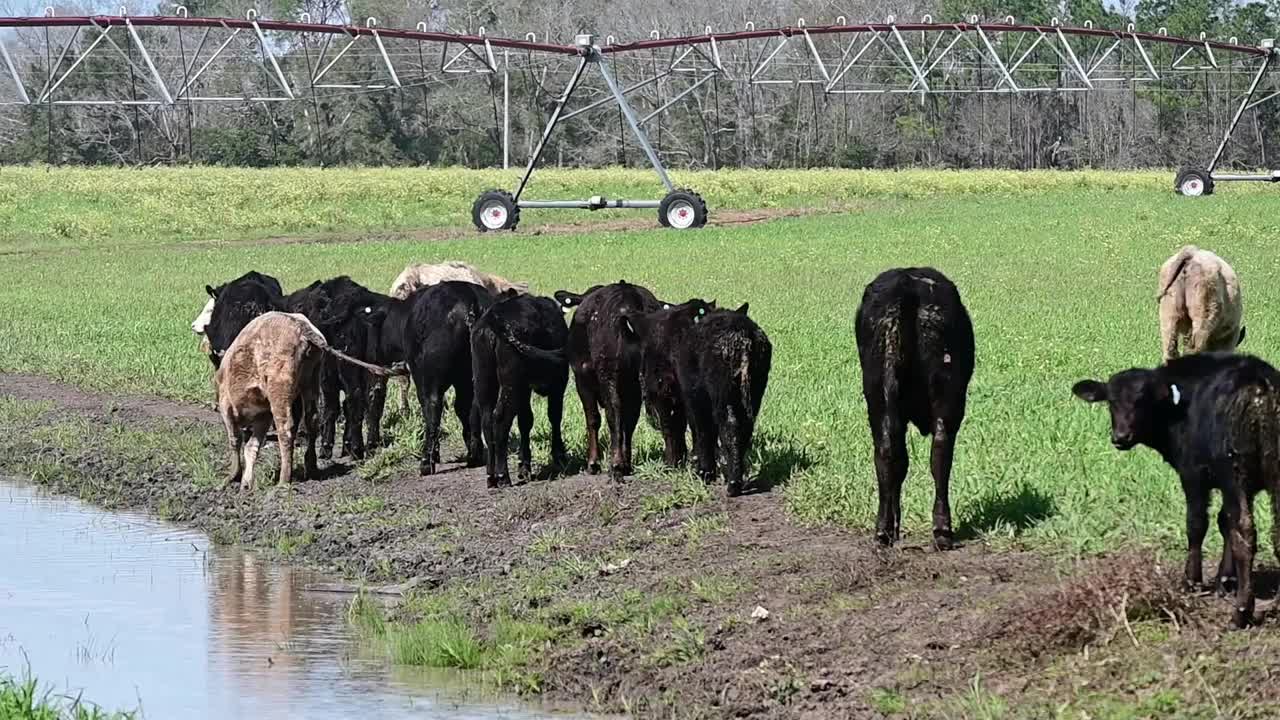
(499,325)
(1181,259)
(313,335)
(897,338)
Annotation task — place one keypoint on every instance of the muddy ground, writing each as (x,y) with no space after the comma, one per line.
(652,593)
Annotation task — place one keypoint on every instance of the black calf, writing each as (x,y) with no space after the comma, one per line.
(721,361)
(517,347)
(606,366)
(916,348)
(439,343)
(1215,419)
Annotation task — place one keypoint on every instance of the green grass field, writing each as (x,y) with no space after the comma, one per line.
(1057,270)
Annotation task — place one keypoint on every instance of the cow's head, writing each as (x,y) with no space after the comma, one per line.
(1140,402)
(202,320)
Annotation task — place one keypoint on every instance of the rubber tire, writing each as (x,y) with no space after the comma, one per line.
(502,196)
(689,196)
(1188,173)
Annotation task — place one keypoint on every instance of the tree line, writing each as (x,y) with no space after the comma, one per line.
(440,118)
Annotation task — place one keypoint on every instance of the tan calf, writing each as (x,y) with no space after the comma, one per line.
(1200,303)
(421,275)
(271,374)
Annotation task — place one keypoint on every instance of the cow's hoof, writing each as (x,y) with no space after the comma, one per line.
(884,539)
(491,482)
(593,468)
(427,468)
(943,541)
(617,473)
(325,453)
(500,480)
(523,473)
(1241,618)
(1225,585)
(734,489)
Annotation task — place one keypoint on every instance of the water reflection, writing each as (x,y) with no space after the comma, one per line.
(136,613)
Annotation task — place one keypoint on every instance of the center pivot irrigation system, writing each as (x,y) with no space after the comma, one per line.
(167,67)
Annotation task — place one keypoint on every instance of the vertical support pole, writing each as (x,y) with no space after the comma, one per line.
(551,125)
(186,71)
(1244,102)
(506,109)
(48,64)
(631,120)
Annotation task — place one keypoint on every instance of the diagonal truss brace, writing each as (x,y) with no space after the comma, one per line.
(13,72)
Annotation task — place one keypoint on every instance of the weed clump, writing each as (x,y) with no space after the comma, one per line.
(1095,605)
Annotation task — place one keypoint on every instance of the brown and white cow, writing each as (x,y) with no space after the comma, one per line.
(270,373)
(1199,303)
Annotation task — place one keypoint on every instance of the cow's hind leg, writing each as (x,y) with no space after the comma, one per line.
(705,436)
(1197,526)
(374,413)
(555,417)
(469,417)
(940,461)
(310,467)
(524,420)
(235,443)
(1244,542)
(258,436)
(735,440)
(329,406)
(504,414)
(282,413)
(1226,580)
(589,394)
(1169,330)
(619,461)
(891,470)
(429,396)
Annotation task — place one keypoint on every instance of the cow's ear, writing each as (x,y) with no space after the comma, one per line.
(1090,391)
(742,310)
(1240,340)
(567,299)
(212,293)
(712,304)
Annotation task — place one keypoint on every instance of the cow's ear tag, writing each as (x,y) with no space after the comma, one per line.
(368,310)
(568,302)
(627,322)
(1177,394)
(666,306)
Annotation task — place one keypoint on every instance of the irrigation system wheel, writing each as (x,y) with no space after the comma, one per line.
(1193,182)
(495,210)
(682,209)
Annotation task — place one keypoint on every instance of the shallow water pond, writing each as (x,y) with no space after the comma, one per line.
(138,614)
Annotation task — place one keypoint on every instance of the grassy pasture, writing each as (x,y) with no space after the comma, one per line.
(1057,270)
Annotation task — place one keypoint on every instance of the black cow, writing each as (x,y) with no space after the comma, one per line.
(916,349)
(517,347)
(1215,419)
(235,304)
(721,361)
(339,308)
(437,336)
(606,366)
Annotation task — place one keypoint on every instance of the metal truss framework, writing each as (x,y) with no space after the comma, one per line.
(912,58)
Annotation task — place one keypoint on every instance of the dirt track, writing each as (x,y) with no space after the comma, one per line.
(849,624)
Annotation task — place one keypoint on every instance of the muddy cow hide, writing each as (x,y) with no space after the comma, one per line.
(606,366)
(517,348)
(709,367)
(916,348)
(235,303)
(1215,419)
